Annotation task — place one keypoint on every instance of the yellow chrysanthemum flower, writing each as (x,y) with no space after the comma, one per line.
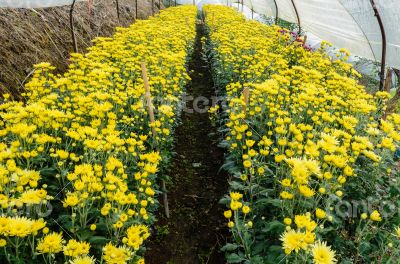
(83,260)
(319,213)
(116,255)
(323,254)
(375,216)
(136,235)
(293,241)
(75,248)
(397,232)
(51,243)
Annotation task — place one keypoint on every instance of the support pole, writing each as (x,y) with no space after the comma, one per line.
(298,17)
(393,102)
(245,99)
(136,9)
(71,24)
(397,72)
(153,129)
(276,13)
(388,80)
(384,44)
(117,5)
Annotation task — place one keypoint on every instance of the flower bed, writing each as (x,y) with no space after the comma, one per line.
(313,175)
(79,162)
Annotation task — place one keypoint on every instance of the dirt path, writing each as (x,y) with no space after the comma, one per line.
(195,231)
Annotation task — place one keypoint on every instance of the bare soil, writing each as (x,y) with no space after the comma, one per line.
(196,229)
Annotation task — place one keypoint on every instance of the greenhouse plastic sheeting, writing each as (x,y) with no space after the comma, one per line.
(200,3)
(350,24)
(35,3)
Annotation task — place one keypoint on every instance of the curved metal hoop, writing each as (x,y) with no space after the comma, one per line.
(276,13)
(384,44)
(297,15)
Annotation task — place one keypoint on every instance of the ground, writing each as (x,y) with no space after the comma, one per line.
(196,229)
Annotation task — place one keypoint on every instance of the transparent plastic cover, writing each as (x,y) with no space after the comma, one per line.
(35,3)
(350,24)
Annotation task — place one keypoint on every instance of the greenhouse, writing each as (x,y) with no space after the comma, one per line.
(200,131)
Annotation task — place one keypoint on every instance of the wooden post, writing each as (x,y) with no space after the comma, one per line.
(245,99)
(136,9)
(397,72)
(252,13)
(388,80)
(117,6)
(147,95)
(71,24)
(152,7)
(153,129)
(393,102)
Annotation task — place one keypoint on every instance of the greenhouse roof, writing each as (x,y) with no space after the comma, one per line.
(35,3)
(346,23)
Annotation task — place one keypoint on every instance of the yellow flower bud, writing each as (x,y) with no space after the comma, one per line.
(287,221)
(228,214)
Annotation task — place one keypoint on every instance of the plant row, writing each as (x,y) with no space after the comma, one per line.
(81,158)
(314,179)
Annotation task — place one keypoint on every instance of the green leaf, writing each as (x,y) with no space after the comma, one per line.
(306,204)
(276,250)
(275,226)
(365,247)
(47,172)
(85,234)
(234,258)
(257,260)
(347,261)
(236,186)
(229,247)
(225,200)
(98,240)
(274,202)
